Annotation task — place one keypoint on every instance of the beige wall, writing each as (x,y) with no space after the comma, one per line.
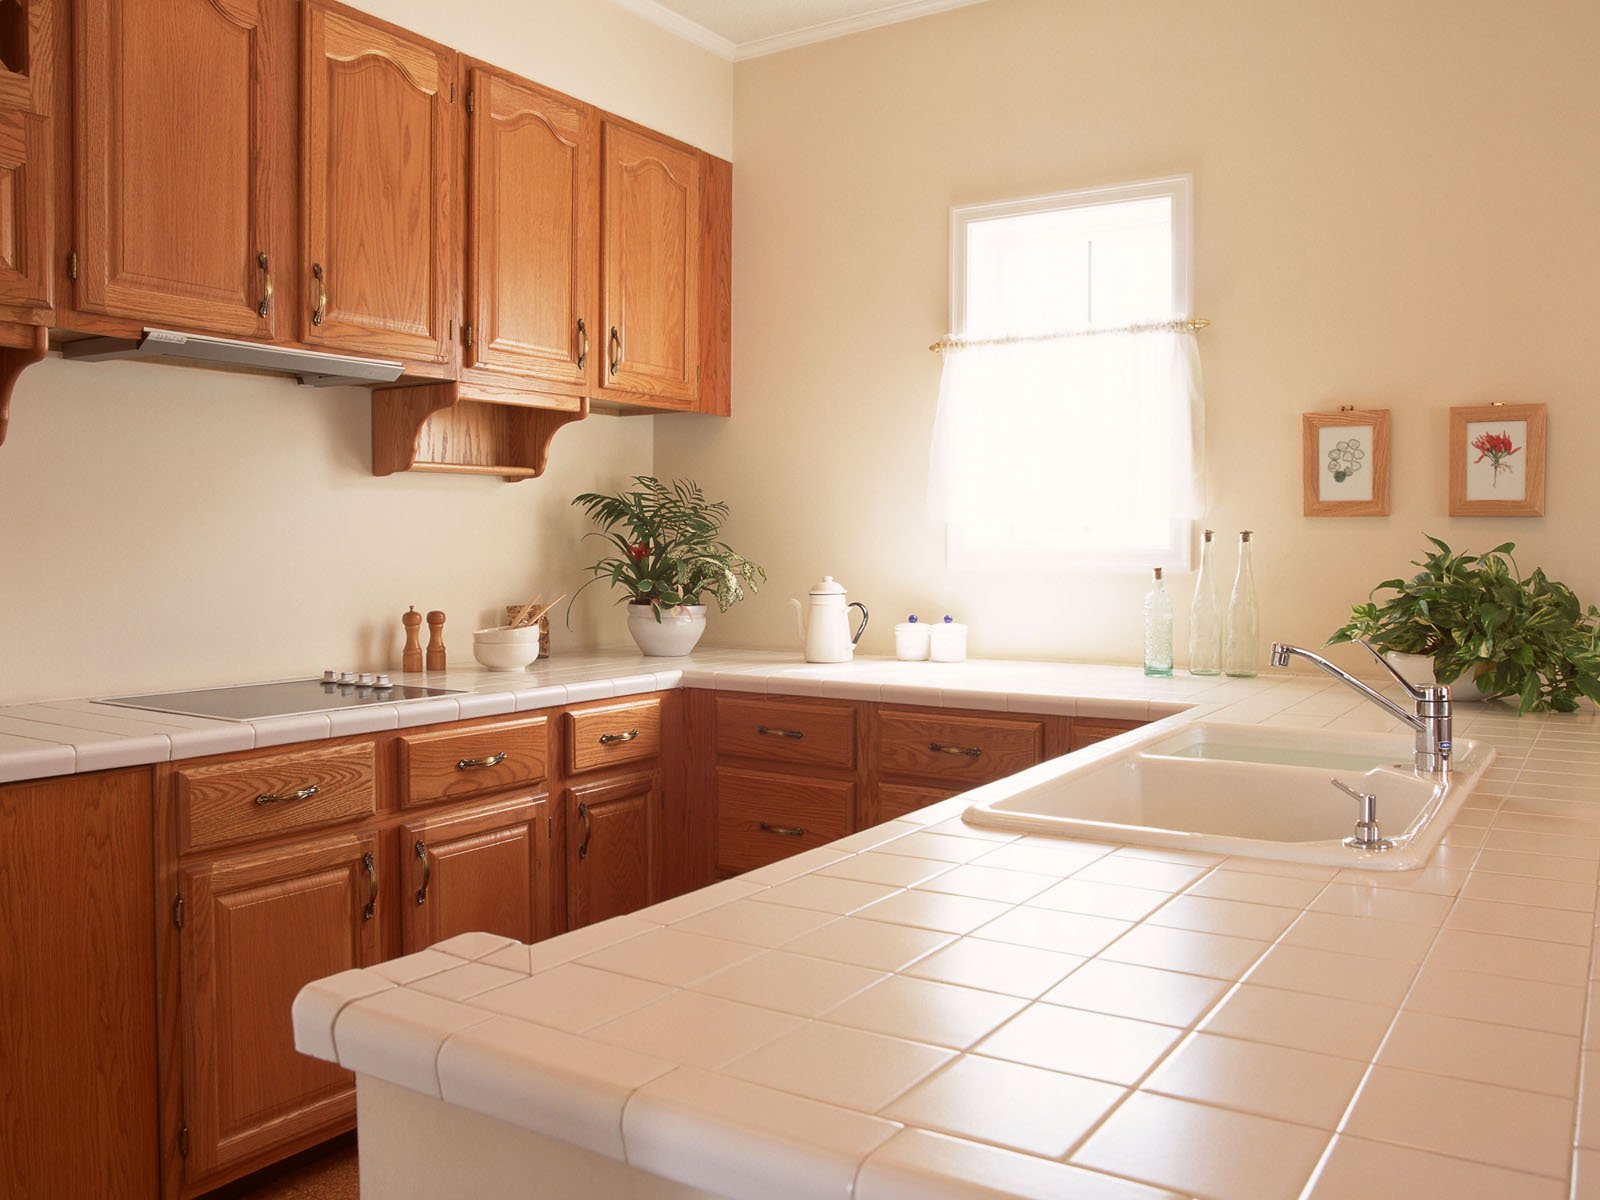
(165,526)
(1394,207)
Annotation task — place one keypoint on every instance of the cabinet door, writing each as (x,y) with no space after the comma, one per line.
(26,294)
(482,868)
(610,835)
(650,268)
(379,163)
(184,160)
(534,231)
(257,929)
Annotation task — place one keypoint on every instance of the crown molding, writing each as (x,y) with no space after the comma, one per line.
(909,10)
(680,25)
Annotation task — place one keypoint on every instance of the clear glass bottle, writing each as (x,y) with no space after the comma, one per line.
(1241,653)
(1158,629)
(1205,617)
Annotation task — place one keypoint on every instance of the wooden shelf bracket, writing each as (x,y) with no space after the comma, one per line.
(451,428)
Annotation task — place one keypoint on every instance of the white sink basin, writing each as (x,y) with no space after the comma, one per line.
(1242,789)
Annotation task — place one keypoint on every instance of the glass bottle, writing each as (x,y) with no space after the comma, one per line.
(1205,617)
(1241,655)
(1158,629)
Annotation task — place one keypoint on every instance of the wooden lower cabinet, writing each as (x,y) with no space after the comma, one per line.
(610,847)
(1086,731)
(897,799)
(485,868)
(763,817)
(257,928)
(77,996)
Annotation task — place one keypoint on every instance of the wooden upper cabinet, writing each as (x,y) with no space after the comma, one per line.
(650,230)
(27,47)
(379,159)
(184,144)
(533,234)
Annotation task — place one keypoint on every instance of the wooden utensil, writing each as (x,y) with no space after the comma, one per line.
(436,641)
(519,618)
(538,616)
(411,657)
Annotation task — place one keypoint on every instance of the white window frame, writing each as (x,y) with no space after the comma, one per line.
(1178,555)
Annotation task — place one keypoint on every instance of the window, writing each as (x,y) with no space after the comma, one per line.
(1069,409)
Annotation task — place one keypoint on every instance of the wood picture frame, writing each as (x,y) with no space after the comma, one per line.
(1345,463)
(1497,460)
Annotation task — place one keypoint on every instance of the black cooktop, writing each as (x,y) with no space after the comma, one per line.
(249,701)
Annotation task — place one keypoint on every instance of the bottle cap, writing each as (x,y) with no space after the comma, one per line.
(948,619)
(1158,574)
(1206,536)
(912,619)
(1244,535)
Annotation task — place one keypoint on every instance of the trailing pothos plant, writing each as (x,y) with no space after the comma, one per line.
(1477,615)
(667,546)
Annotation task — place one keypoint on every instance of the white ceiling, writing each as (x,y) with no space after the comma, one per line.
(739,29)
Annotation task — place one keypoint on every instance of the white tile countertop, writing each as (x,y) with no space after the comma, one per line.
(926,1008)
(63,737)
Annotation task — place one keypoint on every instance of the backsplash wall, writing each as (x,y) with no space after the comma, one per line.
(1394,208)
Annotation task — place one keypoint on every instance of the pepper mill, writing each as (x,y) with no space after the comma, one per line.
(411,657)
(436,641)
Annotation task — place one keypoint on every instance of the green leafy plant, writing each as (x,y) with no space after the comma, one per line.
(668,547)
(1478,615)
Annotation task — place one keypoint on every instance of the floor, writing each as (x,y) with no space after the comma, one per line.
(327,1172)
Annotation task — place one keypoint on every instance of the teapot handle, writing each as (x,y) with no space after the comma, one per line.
(862,628)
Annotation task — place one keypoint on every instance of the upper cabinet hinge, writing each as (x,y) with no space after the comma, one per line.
(177,912)
(472,102)
(466,335)
(72,264)
(183,1140)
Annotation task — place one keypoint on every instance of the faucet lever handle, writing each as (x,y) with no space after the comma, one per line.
(1412,690)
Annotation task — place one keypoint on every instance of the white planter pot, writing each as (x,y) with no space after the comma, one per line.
(1418,668)
(672,636)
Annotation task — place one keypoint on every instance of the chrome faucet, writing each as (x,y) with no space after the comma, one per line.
(1430,720)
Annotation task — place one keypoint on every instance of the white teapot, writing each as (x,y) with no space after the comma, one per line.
(826,632)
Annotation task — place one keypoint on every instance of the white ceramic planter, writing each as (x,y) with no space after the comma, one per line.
(1418,668)
(672,636)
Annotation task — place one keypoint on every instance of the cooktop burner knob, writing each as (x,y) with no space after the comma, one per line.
(347,676)
(383,682)
(364,679)
(329,677)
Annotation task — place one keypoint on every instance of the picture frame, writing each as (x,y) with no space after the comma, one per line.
(1345,462)
(1497,460)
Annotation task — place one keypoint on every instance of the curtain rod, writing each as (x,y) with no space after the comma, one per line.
(1194,325)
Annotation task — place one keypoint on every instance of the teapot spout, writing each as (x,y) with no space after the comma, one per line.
(799,618)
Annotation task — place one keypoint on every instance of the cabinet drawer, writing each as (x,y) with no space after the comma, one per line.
(898,799)
(783,731)
(609,734)
(762,818)
(961,750)
(236,801)
(1086,731)
(454,763)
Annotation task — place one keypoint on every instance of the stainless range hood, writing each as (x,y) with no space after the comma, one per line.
(308,366)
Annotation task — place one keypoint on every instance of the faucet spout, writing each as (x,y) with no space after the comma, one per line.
(1431,721)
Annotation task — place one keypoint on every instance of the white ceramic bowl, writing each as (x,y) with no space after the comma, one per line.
(506,648)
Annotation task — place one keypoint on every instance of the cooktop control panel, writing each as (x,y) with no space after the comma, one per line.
(286,698)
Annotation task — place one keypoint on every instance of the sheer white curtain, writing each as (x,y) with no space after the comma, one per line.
(1083,445)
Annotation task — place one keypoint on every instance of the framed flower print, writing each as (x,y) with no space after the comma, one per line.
(1345,463)
(1497,460)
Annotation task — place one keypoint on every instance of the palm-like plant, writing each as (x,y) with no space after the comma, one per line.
(668,546)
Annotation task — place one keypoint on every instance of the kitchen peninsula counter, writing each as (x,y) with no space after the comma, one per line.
(930,1009)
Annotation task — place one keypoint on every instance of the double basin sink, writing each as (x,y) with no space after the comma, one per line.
(1241,789)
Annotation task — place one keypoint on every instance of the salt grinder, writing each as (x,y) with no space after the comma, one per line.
(436,641)
(411,657)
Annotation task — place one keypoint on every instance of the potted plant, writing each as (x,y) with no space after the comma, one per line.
(1480,620)
(666,554)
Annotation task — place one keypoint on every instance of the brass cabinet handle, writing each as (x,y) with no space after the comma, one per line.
(266,285)
(783,830)
(583,344)
(321,310)
(474,764)
(370,865)
(964,751)
(421,850)
(616,349)
(794,735)
(583,846)
(613,739)
(304,793)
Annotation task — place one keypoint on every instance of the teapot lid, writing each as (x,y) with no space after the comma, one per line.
(828,587)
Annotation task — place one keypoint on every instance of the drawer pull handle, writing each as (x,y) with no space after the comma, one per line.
(964,751)
(783,830)
(421,849)
(583,846)
(794,735)
(475,764)
(616,739)
(304,793)
(370,865)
